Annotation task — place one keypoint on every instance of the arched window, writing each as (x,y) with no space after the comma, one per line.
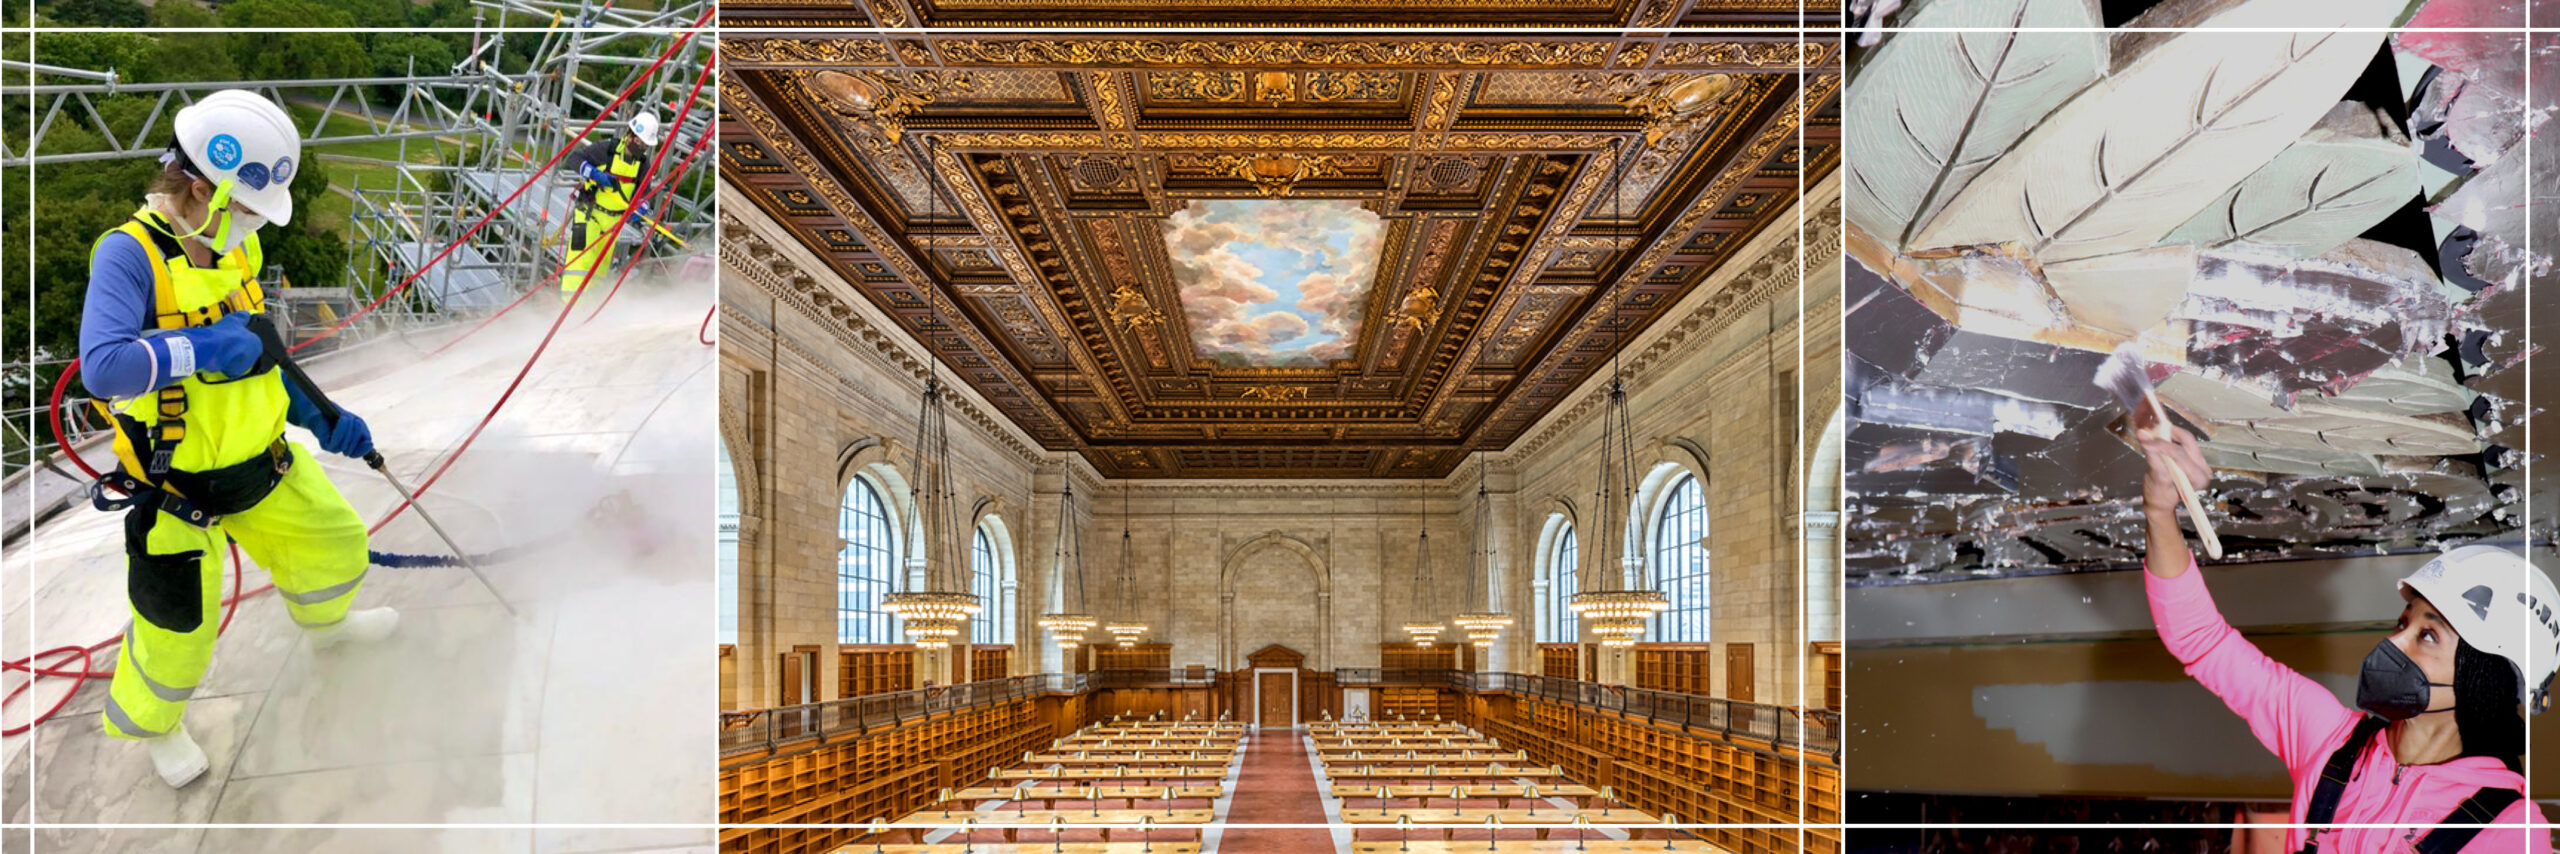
(867,568)
(728,548)
(1680,562)
(989,575)
(1564,579)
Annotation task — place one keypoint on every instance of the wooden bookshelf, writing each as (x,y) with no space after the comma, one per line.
(1406,656)
(1558,660)
(1700,776)
(883,774)
(1828,652)
(990,661)
(1681,668)
(869,669)
(1145,656)
(1409,703)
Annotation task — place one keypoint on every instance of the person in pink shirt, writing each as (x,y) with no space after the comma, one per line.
(2434,759)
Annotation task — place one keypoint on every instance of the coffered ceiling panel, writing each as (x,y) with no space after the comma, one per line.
(1271,13)
(1246,257)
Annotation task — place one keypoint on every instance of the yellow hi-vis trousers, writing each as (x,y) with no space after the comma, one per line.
(310,541)
(597,253)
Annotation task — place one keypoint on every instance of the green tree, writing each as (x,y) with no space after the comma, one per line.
(302,55)
(98,13)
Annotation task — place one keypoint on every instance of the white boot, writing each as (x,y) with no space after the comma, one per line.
(177,758)
(366,626)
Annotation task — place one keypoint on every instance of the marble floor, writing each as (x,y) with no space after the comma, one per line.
(584,707)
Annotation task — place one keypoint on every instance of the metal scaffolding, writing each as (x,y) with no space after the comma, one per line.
(485,124)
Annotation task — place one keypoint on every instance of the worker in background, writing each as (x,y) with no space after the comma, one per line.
(200,410)
(2440,738)
(610,172)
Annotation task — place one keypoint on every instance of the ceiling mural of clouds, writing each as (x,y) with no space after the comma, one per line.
(1273,282)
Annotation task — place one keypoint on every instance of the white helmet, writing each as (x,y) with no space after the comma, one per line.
(2501,605)
(644,127)
(241,137)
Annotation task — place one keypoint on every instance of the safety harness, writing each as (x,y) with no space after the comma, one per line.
(2481,808)
(144,472)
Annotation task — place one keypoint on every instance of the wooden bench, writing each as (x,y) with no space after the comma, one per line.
(1542,846)
(1449,821)
(1049,796)
(1500,792)
(1458,772)
(1025,848)
(1133,773)
(1437,753)
(1013,823)
(1165,757)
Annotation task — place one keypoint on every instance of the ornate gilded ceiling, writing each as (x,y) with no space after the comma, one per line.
(1247,257)
(1647,14)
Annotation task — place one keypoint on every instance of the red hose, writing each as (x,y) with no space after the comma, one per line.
(705,332)
(538,173)
(231,604)
(566,305)
(668,184)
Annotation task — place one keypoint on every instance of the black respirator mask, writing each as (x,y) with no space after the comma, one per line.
(2393,687)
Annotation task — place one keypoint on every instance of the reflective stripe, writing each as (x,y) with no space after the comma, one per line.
(321,595)
(164,692)
(299,621)
(118,719)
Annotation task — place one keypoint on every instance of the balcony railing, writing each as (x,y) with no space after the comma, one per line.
(770,729)
(1816,731)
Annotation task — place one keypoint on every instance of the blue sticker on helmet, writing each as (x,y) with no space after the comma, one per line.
(253,174)
(284,169)
(222,151)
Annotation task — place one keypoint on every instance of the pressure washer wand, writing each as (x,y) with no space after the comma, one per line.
(274,344)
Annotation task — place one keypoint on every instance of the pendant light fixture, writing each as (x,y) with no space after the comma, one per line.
(1068,627)
(1482,624)
(1423,630)
(1617,612)
(1127,630)
(933,616)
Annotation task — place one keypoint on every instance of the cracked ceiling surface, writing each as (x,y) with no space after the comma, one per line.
(2322,233)
(1032,208)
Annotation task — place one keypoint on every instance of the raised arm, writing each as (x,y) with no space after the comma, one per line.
(2296,718)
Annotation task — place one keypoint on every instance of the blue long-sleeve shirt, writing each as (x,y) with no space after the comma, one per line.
(119,358)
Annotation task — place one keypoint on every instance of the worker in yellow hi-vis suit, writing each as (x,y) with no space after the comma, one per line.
(168,332)
(610,173)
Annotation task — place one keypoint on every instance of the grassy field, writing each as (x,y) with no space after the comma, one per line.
(330,212)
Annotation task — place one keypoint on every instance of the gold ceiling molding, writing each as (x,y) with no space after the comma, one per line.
(786,148)
(884,99)
(1274,393)
(818,51)
(1780,130)
(1274,174)
(1131,311)
(1232,53)
(1787,54)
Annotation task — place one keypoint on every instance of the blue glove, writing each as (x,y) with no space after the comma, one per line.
(644,209)
(601,177)
(347,437)
(226,347)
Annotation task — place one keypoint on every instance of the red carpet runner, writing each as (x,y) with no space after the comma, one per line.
(1277,785)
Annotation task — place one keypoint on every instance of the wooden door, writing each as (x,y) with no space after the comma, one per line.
(795,679)
(1278,710)
(1737,672)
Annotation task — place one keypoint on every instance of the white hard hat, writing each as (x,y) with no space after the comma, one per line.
(2501,605)
(239,136)
(644,127)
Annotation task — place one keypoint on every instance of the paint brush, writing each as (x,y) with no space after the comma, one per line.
(2126,376)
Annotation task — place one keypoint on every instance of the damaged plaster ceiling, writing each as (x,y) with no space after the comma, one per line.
(2322,232)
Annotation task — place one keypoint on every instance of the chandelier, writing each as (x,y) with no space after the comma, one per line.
(1125,630)
(1424,632)
(1483,625)
(932,616)
(1617,612)
(1068,628)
